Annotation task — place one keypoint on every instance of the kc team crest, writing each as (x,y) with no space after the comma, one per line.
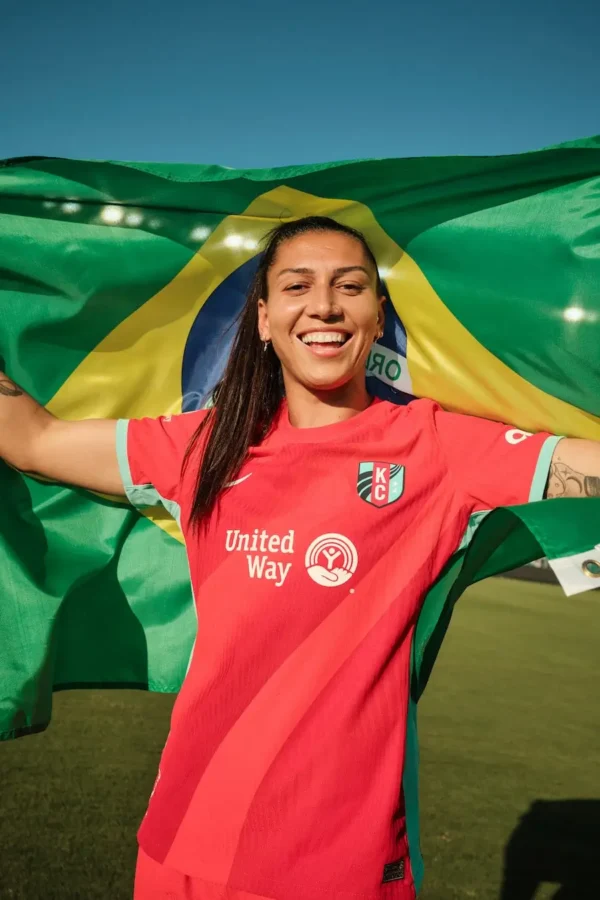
(380,483)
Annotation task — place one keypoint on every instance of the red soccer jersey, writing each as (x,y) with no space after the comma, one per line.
(281,776)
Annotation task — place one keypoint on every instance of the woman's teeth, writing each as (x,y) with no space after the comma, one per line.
(325,337)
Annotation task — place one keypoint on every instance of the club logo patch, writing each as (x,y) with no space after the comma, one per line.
(380,483)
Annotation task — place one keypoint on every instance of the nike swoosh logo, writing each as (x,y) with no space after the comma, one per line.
(238,481)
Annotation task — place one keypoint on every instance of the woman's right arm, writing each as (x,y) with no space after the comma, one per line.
(81,453)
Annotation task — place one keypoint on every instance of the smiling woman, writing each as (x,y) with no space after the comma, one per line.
(316,519)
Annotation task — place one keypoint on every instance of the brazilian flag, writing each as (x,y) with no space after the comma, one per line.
(120,284)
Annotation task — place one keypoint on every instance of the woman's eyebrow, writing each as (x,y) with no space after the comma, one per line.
(342,270)
(301,271)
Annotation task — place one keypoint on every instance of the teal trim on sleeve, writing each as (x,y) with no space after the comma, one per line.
(540,476)
(473,524)
(141,496)
(122,456)
(172,508)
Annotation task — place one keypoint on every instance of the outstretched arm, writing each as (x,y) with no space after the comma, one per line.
(33,440)
(575,469)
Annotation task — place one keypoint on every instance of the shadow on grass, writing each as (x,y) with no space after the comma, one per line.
(557,842)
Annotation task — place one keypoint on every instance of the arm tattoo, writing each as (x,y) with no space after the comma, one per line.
(8,388)
(563,481)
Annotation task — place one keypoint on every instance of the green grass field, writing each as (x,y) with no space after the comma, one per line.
(512,715)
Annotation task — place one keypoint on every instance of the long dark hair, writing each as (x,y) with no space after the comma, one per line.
(250,392)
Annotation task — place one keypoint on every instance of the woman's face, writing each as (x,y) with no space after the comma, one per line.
(323,312)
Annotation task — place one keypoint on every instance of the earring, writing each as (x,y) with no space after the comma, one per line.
(265,345)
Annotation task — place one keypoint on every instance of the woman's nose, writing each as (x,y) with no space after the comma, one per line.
(323,303)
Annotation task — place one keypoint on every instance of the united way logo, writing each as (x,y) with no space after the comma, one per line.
(380,483)
(331,560)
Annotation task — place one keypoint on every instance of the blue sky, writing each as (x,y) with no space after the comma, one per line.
(263,83)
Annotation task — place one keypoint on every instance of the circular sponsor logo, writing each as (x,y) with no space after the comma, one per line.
(515,436)
(331,560)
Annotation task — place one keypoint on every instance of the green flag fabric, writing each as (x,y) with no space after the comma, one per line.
(119,288)
(120,284)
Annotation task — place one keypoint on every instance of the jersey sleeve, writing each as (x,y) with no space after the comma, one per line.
(151,454)
(494,464)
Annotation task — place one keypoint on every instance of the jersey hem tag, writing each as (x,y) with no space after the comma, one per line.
(393,871)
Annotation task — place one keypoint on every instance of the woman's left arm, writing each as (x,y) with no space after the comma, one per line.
(575,469)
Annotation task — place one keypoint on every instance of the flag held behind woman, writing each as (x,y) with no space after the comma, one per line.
(121,284)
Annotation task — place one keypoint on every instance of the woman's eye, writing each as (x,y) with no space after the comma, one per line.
(295,287)
(352,286)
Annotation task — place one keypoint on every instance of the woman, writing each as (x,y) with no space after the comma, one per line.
(315,519)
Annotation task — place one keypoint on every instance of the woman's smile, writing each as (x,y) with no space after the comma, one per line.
(325,342)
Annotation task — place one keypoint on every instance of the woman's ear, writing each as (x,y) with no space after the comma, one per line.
(263,321)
